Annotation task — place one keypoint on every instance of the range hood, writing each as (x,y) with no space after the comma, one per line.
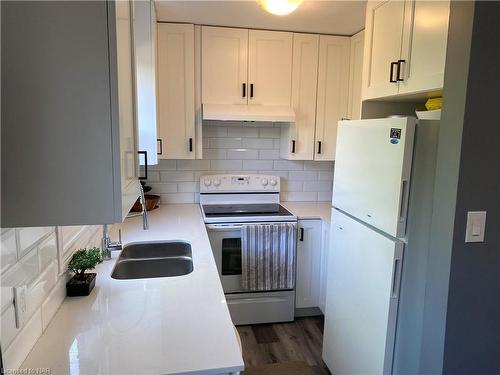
(242,112)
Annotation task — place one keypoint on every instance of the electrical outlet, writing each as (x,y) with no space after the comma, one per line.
(20,307)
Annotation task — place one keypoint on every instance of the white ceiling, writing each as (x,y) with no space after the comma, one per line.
(325,17)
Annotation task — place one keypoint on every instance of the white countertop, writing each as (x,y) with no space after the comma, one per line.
(146,326)
(310,210)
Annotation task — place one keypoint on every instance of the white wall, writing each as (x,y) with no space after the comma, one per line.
(37,258)
(241,148)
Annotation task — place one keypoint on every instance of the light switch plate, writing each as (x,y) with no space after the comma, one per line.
(476,225)
(20,307)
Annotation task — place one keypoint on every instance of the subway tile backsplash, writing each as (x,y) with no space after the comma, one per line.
(230,147)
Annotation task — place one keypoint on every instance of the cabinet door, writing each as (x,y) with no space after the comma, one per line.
(176,106)
(356,72)
(307,288)
(126,107)
(383,34)
(333,93)
(424,45)
(270,67)
(297,141)
(224,65)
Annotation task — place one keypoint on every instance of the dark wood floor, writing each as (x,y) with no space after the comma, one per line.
(300,340)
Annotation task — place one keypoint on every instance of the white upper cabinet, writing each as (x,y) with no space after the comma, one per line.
(405,47)
(224,65)
(383,35)
(176,91)
(297,139)
(333,93)
(269,67)
(355,75)
(424,45)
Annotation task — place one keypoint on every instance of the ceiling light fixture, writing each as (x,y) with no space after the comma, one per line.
(279,7)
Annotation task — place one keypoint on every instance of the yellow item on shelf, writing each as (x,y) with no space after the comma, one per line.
(434,103)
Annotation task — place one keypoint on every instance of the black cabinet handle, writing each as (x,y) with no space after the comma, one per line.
(244,89)
(190,144)
(145,153)
(391,73)
(301,238)
(319,147)
(251,90)
(160,144)
(398,74)
(293,146)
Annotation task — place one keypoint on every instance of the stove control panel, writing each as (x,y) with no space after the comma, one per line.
(229,183)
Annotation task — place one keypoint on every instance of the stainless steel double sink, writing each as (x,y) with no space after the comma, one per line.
(154,259)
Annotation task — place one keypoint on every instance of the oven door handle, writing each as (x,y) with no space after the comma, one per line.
(228,227)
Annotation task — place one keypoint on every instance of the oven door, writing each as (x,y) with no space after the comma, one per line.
(225,240)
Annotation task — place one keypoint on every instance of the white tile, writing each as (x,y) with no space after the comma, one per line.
(258,143)
(8,326)
(29,236)
(269,154)
(47,251)
(290,165)
(270,132)
(282,174)
(303,175)
(205,142)
(53,302)
(325,196)
(242,153)
(40,288)
(177,198)
(29,267)
(291,185)
(325,176)
(214,153)
(19,349)
(166,165)
(198,174)
(283,196)
(317,185)
(162,188)
(224,143)
(192,165)
(256,165)
(153,176)
(318,165)
(189,187)
(276,144)
(225,165)
(177,176)
(304,196)
(8,250)
(214,131)
(243,132)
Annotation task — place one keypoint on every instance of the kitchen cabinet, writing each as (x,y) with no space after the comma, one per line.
(405,47)
(176,91)
(333,93)
(69,147)
(307,288)
(241,66)
(355,75)
(297,138)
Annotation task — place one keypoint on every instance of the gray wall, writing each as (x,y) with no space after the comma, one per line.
(472,344)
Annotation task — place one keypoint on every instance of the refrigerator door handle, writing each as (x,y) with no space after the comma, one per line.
(396,278)
(403,205)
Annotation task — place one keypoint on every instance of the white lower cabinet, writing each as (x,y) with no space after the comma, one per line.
(307,288)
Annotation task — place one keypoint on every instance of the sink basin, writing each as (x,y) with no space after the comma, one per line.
(153,259)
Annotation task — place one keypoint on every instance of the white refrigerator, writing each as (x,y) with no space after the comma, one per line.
(371,192)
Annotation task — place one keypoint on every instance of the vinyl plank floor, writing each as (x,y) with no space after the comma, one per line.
(300,340)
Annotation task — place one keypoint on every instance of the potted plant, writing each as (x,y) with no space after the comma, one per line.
(81,284)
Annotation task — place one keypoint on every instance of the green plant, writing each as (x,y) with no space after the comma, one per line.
(84,259)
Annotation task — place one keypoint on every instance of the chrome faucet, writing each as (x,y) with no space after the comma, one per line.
(107,245)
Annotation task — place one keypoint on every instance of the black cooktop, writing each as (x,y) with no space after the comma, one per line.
(268,209)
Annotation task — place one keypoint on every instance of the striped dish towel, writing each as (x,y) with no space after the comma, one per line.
(268,256)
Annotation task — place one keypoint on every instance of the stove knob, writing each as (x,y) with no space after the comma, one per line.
(207,182)
(217,182)
(273,182)
(264,181)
